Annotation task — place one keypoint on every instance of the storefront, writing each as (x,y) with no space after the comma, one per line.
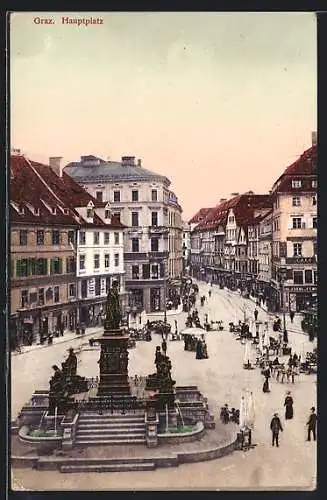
(155,299)
(301,298)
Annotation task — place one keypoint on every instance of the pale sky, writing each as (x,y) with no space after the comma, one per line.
(217,102)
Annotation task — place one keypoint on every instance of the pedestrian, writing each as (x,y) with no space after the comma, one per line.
(199,350)
(265,387)
(164,346)
(288,403)
(209,293)
(285,337)
(293,373)
(312,424)
(224,414)
(256,314)
(204,350)
(275,427)
(292,314)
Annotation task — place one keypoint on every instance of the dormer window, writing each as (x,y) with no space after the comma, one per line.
(90,210)
(36,211)
(107,214)
(54,211)
(21,211)
(296,183)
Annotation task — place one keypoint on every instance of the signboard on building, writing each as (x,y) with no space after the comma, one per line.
(91,287)
(103,286)
(302,289)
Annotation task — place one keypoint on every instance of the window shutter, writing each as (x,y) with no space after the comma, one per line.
(290,224)
(289,274)
(162,270)
(51,266)
(309,223)
(18,268)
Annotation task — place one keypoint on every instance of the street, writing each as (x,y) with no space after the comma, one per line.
(221,378)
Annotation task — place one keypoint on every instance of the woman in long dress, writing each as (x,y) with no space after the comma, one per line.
(288,406)
(199,350)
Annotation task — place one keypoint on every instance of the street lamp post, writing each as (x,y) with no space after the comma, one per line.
(283,272)
(165,292)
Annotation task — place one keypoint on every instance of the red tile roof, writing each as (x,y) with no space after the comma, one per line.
(304,168)
(199,216)
(243,206)
(33,183)
(65,186)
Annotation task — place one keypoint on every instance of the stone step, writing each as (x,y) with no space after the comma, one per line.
(115,419)
(107,413)
(88,441)
(99,434)
(120,467)
(111,425)
(109,421)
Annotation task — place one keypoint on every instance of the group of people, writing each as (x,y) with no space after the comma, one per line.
(201,349)
(193,320)
(229,415)
(276,425)
(193,343)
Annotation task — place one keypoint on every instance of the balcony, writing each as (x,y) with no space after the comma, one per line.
(135,230)
(158,255)
(133,256)
(158,230)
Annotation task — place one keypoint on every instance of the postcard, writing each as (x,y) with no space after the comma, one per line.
(163,252)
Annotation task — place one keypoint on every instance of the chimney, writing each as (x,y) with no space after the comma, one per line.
(139,162)
(15,151)
(128,161)
(222,200)
(314,138)
(234,194)
(55,164)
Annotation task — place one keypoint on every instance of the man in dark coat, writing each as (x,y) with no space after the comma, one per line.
(312,424)
(275,427)
(256,312)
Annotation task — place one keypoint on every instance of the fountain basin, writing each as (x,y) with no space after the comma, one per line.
(44,441)
(193,433)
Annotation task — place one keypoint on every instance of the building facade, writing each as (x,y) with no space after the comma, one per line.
(100,261)
(175,236)
(294,234)
(196,246)
(49,212)
(143,202)
(43,261)
(226,260)
(186,247)
(265,259)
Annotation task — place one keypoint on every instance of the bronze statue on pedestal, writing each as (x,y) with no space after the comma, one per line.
(113,313)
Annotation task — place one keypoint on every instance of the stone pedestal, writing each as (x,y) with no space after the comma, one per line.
(113,364)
